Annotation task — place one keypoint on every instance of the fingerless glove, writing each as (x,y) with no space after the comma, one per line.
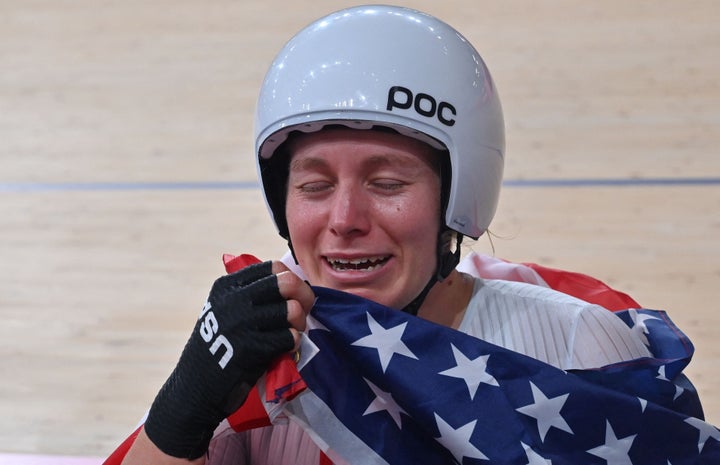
(242,328)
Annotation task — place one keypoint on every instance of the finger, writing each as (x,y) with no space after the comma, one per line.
(243,277)
(293,288)
(278,267)
(297,336)
(266,317)
(296,315)
(281,340)
(264,290)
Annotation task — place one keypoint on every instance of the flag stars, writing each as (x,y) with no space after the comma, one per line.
(314,324)
(457,441)
(706,431)
(384,402)
(473,372)
(639,324)
(308,350)
(546,411)
(661,376)
(615,451)
(533,457)
(387,341)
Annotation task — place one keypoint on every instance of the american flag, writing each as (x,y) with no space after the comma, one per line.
(385,387)
(381,387)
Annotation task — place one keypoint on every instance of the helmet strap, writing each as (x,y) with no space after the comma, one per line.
(447,259)
(292,251)
(448,253)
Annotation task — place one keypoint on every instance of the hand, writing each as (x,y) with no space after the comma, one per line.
(250,318)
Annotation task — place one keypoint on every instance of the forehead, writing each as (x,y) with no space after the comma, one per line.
(380,146)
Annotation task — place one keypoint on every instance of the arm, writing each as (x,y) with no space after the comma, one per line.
(144,451)
(251,317)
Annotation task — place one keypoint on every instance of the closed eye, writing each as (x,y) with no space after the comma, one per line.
(313,187)
(388,184)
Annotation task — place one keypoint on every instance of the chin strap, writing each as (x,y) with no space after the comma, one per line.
(292,251)
(447,258)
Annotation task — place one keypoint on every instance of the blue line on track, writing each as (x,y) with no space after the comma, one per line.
(599,182)
(124,186)
(246,185)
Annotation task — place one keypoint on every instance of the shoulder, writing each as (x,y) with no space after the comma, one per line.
(516,296)
(548,325)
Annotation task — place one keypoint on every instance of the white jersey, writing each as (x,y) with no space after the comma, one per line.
(547,325)
(537,321)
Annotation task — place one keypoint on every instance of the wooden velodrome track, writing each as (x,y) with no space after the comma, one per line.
(125,142)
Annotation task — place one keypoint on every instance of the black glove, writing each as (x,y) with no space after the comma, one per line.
(241,330)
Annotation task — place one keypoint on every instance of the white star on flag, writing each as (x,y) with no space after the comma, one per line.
(307,351)
(533,457)
(473,372)
(706,431)
(384,402)
(546,412)
(614,451)
(661,375)
(387,341)
(312,323)
(457,441)
(639,325)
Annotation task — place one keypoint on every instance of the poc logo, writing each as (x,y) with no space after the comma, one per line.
(424,104)
(208,329)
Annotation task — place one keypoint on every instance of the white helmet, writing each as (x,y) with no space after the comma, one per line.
(392,67)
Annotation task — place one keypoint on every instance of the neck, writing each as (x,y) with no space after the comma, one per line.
(446,302)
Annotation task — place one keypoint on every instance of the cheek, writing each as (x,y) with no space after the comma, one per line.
(299,219)
(420,211)
(415,222)
(306,224)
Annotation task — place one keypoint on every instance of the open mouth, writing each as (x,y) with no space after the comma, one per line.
(357,264)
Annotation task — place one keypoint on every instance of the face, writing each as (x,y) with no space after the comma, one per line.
(363,212)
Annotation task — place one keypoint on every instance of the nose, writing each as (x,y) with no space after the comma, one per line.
(349,211)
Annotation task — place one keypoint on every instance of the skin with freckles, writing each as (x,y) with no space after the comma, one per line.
(363,210)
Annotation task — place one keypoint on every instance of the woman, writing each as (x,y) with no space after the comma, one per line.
(380,145)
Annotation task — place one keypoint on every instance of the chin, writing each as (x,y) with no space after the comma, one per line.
(376,296)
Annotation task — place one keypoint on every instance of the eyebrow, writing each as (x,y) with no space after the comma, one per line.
(307,164)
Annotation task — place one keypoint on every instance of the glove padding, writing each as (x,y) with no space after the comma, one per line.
(242,328)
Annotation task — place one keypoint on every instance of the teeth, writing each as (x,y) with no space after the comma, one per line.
(361,264)
(356,261)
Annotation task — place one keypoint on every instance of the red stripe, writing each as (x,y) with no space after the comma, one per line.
(233,263)
(585,287)
(117,457)
(251,413)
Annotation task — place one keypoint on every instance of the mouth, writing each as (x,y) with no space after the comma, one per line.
(357,264)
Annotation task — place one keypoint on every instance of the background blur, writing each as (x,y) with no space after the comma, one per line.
(126,171)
